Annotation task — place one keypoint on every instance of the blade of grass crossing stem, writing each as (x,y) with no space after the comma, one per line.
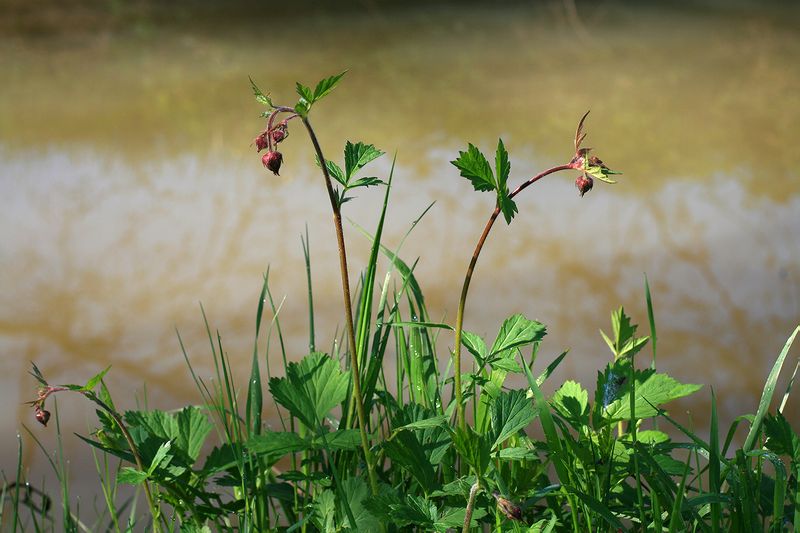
(632,429)
(789,387)
(277,322)
(713,465)
(779,490)
(766,395)
(676,519)
(651,318)
(307,258)
(553,442)
(255,404)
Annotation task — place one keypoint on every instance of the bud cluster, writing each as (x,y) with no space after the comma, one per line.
(267,139)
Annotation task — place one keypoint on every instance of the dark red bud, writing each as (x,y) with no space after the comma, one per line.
(508,508)
(42,415)
(278,134)
(272,160)
(584,183)
(261,142)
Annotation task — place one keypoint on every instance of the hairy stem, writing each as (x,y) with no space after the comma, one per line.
(473,493)
(462,303)
(351,335)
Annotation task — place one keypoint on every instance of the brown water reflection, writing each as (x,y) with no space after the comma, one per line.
(132,194)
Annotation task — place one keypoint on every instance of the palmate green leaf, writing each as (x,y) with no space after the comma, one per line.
(311,388)
(511,412)
(272,445)
(416,511)
(356,157)
(473,448)
(187,430)
(474,166)
(335,171)
(571,402)
(655,390)
(341,439)
(517,331)
(324,511)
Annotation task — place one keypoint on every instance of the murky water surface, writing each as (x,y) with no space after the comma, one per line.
(131,191)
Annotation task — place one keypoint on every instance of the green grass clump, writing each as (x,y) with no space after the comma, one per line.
(377,435)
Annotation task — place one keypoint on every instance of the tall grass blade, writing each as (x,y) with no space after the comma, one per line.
(766,395)
(307,258)
(651,319)
(254,406)
(713,465)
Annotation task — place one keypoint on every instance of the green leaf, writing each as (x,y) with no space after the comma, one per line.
(511,412)
(305,93)
(600,172)
(161,458)
(517,331)
(356,157)
(355,490)
(335,171)
(366,182)
(311,388)
(503,168)
(272,445)
(517,453)
(405,450)
(475,345)
(260,97)
(474,166)
(324,87)
(341,439)
(473,448)
(507,206)
(571,402)
(92,383)
(781,438)
(427,423)
(193,428)
(302,107)
(131,476)
(651,392)
(324,511)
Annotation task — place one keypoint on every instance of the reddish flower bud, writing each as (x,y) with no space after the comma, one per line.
(278,134)
(508,508)
(584,183)
(261,142)
(42,415)
(272,160)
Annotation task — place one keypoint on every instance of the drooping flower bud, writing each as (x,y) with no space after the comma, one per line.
(261,142)
(42,415)
(584,183)
(508,508)
(272,160)
(278,134)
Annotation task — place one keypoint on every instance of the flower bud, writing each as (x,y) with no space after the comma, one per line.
(272,160)
(278,134)
(261,142)
(42,415)
(511,510)
(584,183)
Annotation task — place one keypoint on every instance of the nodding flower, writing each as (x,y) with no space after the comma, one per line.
(272,160)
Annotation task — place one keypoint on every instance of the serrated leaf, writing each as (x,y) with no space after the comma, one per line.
(304,92)
(311,388)
(335,171)
(780,437)
(571,402)
(474,166)
(161,458)
(272,445)
(656,390)
(405,450)
(517,331)
(302,107)
(507,206)
(260,96)
(502,166)
(356,492)
(599,172)
(366,182)
(475,345)
(473,448)
(324,87)
(511,411)
(427,423)
(193,428)
(94,380)
(356,157)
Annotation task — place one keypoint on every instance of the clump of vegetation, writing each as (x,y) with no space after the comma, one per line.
(377,436)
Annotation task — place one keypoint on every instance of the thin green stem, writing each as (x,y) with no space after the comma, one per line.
(465,289)
(351,336)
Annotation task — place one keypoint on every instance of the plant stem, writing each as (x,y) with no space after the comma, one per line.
(351,335)
(465,289)
(473,492)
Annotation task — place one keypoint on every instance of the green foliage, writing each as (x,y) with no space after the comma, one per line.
(600,463)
